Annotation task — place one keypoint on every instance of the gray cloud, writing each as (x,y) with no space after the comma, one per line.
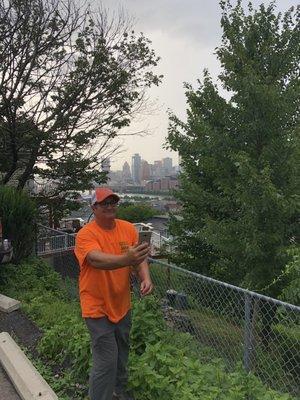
(196,20)
(190,19)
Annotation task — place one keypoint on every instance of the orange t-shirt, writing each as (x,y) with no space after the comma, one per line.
(104,292)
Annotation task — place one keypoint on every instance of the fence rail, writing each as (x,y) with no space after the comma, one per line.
(54,244)
(51,241)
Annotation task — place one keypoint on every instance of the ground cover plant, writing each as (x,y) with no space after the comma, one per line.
(163,363)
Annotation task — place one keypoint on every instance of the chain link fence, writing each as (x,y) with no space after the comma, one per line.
(227,322)
(237,325)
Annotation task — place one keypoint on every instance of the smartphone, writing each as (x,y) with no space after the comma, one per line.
(145,236)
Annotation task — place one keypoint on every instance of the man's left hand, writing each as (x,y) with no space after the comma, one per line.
(146,287)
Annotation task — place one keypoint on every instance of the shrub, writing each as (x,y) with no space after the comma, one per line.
(18,215)
(147,324)
(135,212)
(33,277)
(166,364)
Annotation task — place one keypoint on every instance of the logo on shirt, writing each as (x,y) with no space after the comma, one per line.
(124,247)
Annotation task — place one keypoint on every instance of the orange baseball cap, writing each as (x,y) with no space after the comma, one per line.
(101,194)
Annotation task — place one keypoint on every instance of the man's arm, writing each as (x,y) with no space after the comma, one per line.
(144,276)
(134,256)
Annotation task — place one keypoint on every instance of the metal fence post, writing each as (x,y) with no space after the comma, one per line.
(65,242)
(248,333)
(168,277)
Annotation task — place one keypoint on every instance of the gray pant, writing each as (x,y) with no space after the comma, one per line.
(110,348)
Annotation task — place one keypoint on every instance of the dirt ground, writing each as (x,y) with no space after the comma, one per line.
(25,333)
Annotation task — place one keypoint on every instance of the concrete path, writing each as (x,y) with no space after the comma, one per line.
(7,391)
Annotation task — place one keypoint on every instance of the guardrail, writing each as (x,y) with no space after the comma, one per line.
(54,244)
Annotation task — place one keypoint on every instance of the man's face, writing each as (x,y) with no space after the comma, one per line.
(106,209)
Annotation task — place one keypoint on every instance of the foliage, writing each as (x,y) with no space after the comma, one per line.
(291,276)
(147,324)
(32,277)
(163,368)
(71,78)
(64,349)
(161,360)
(239,156)
(135,212)
(18,215)
(171,363)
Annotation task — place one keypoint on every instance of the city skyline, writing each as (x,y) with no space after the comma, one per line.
(119,166)
(161,176)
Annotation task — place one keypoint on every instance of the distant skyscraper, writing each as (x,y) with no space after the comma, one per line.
(158,169)
(167,165)
(126,173)
(136,168)
(145,171)
(105,165)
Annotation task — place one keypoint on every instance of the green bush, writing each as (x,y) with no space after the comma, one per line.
(33,277)
(147,324)
(135,212)
(18,215)
(173,364)
(46,299)
(291,277)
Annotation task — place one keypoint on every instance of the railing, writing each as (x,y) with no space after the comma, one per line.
(52,241)
(54,244)
(234,324)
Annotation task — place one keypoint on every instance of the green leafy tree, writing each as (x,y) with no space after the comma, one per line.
(291,278)
(239,152)
(18,215)
(70,79)
(135,212)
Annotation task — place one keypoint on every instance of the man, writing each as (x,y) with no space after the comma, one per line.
(106,249)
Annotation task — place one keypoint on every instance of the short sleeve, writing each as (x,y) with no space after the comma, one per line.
(86,241)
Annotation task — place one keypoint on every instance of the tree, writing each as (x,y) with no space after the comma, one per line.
(135,212)
(239,152)
(18,214)
(70,79)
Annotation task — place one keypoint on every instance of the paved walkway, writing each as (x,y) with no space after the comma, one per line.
(7,391)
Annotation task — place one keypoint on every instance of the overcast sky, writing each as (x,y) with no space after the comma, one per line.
(184,33)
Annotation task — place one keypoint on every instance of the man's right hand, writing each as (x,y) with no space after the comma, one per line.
(137,254)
